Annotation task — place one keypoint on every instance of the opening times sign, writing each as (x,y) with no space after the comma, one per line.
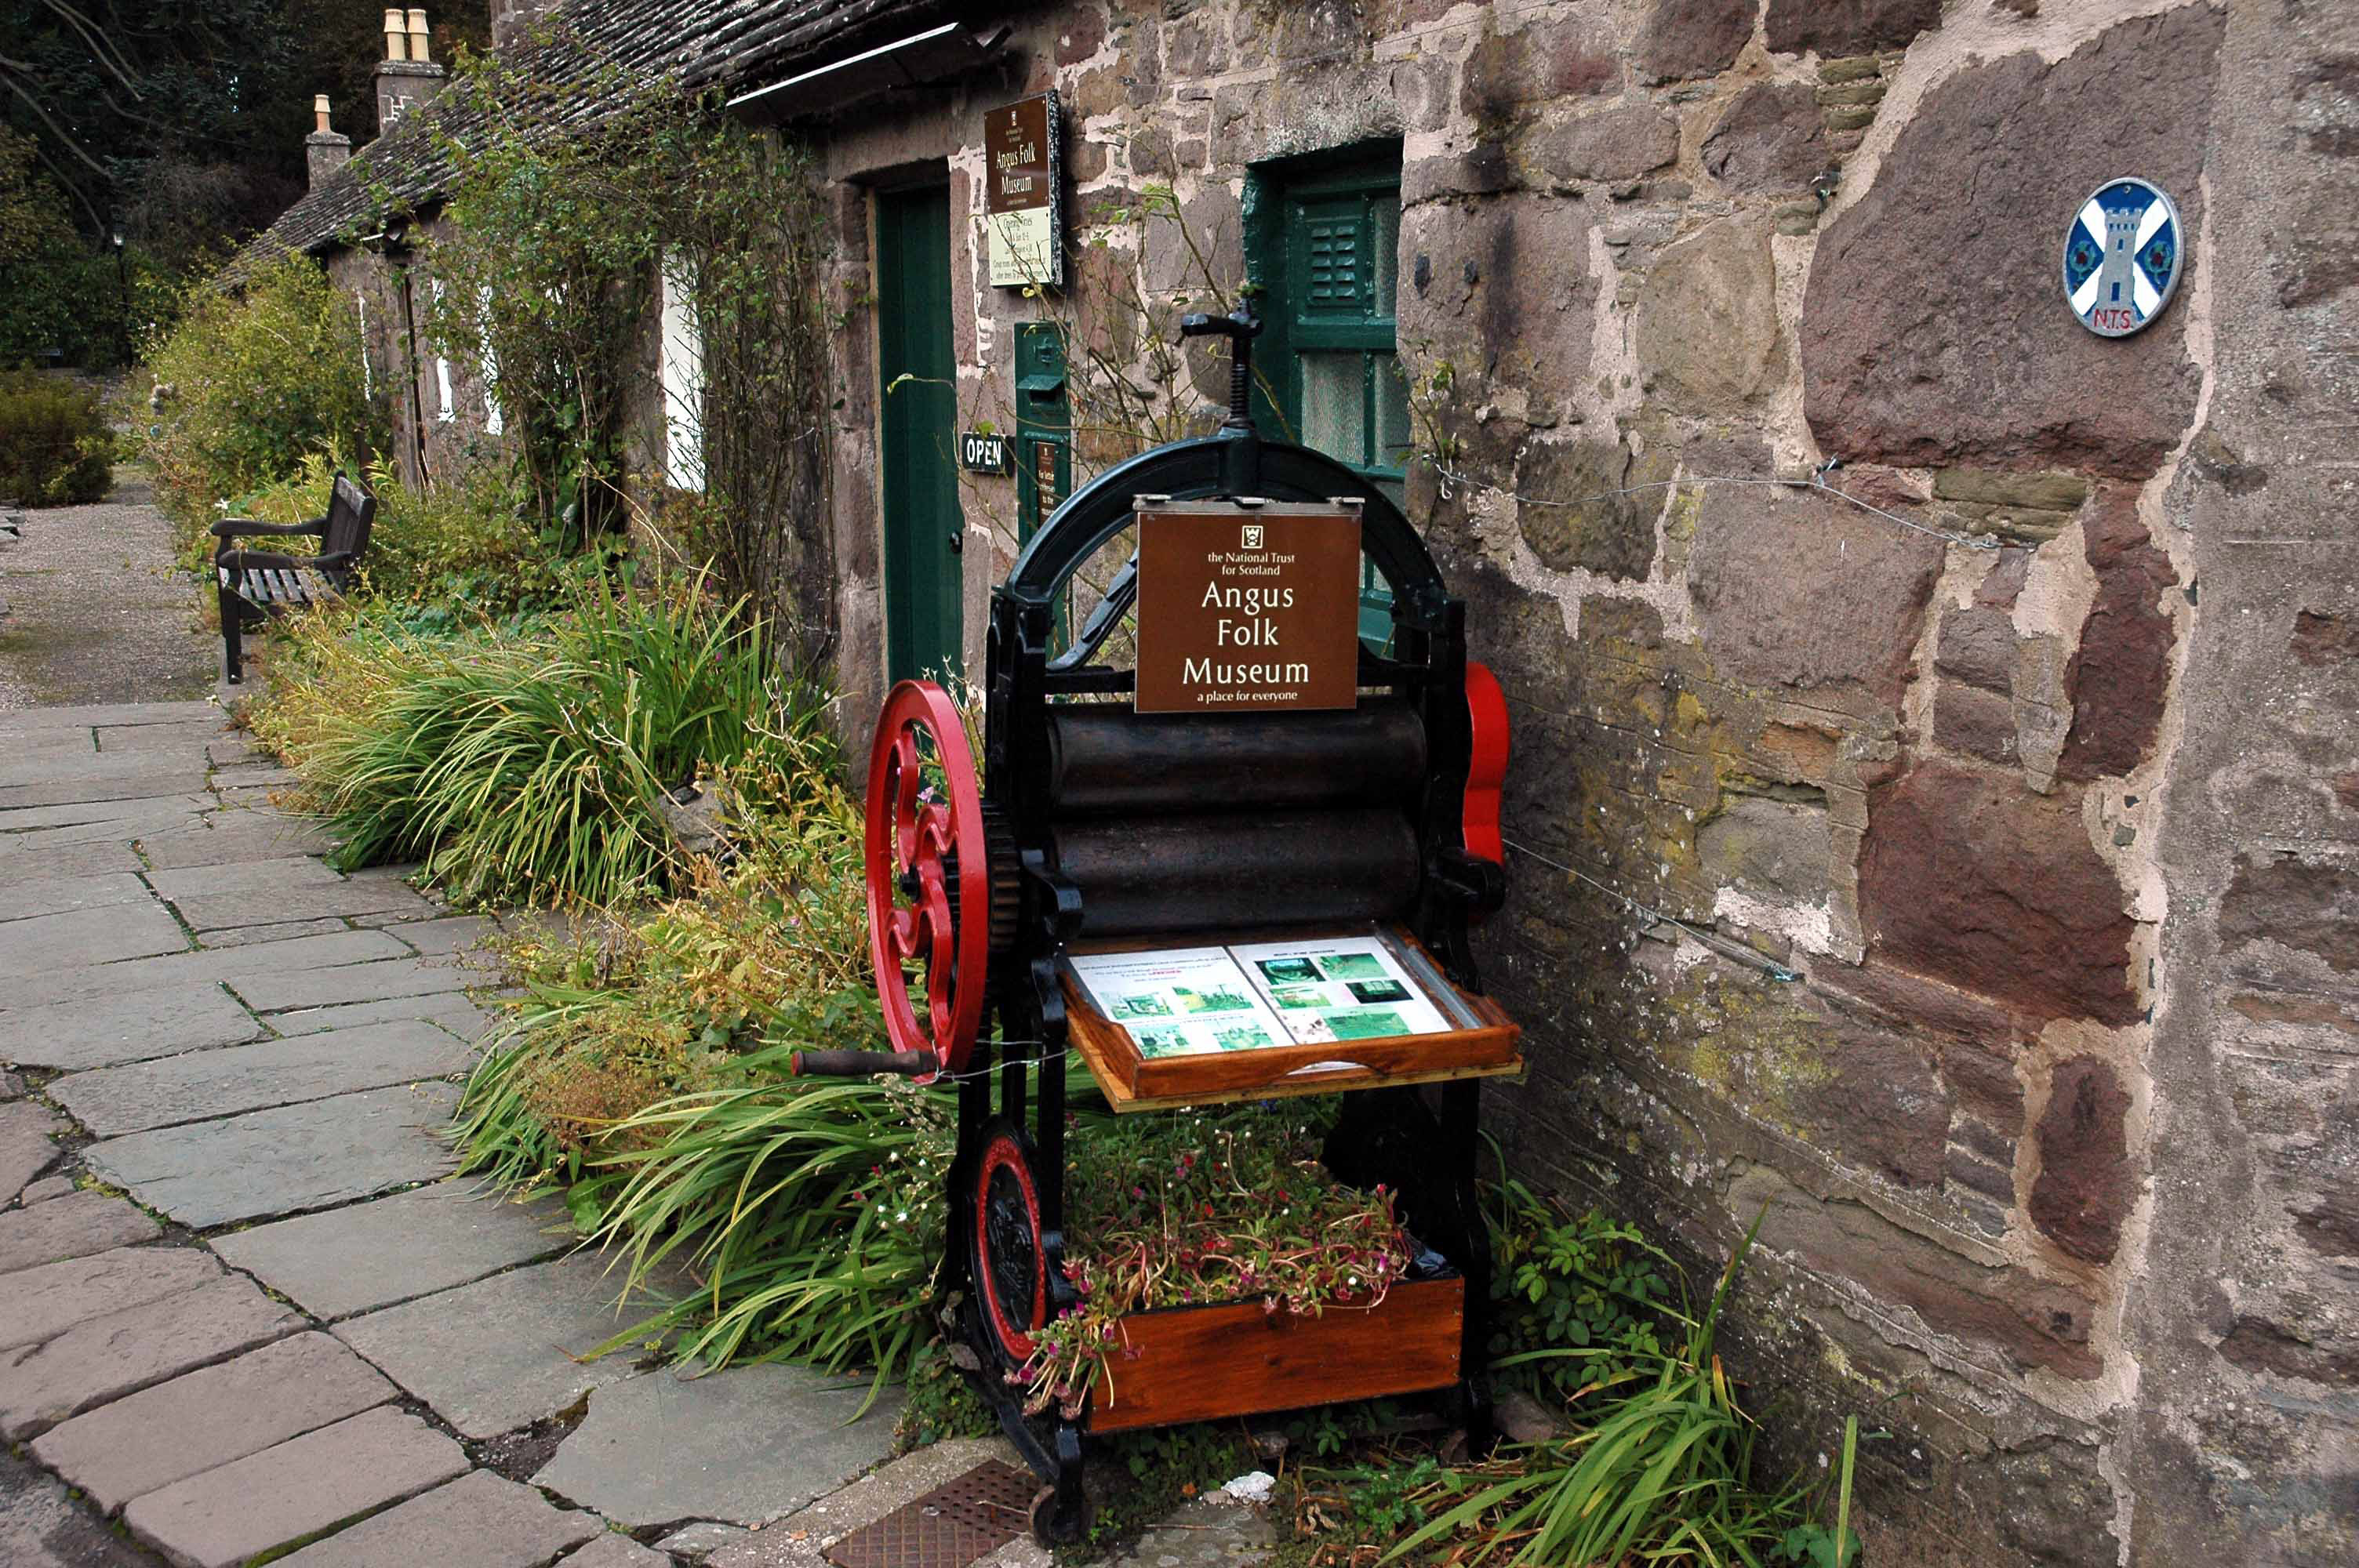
(1247,608)
(1023,163)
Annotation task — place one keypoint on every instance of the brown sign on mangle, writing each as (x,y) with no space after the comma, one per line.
(1247,608)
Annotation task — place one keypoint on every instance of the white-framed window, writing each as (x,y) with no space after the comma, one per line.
(445,405)
(494,422)
(683,375)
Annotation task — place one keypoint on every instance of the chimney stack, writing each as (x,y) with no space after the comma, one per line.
(407,77)
(325,152)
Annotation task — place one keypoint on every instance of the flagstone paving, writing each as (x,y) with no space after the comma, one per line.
(244,1308)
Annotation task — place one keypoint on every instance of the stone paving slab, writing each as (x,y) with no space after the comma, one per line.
(612,1550)
(305,902)
(44,943)
(201,1084)
(26,1147)
(18,770)
(59,895)
(744,1446)
(407,1245)
(77,1224)
(297,1157)
(20,864)
(445,1010)
(267,992)
(12,1086)
(48,1187)
(229,837)
(285,931)
(210,1417)
(294,1489)
(272,875)
(188,737)
(159,816)
(158,781)
(91,715)
(479,1520)
(499,1354)
(345,948)
(42,1303)
(110,1357)
(42,1527)
(452,934)
(21,821)
(190,1016)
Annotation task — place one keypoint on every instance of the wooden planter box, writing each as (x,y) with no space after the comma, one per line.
(1209,1362)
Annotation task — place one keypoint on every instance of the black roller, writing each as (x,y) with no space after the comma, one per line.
(1106,759)
(1161,874)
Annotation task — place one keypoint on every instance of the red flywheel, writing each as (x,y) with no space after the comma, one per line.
(929,897)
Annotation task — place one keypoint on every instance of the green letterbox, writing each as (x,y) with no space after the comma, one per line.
(1044,426)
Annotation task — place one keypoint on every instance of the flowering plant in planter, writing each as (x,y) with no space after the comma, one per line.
(1203,1209)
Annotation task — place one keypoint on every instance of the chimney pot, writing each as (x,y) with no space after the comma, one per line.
(319,112)
(396,37)
(420,40)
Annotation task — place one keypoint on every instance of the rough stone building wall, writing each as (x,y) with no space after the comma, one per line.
(2047,810)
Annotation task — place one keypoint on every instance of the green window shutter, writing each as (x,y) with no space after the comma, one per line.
(1334,371)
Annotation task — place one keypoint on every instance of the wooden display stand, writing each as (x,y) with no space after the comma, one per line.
(1262,778)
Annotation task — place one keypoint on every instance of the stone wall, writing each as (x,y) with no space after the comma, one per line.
(1960,884)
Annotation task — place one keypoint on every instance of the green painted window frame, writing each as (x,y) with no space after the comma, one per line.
(1302,215)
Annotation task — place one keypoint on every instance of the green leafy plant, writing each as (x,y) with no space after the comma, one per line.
(249,384)
(54,442)
(1562,1278)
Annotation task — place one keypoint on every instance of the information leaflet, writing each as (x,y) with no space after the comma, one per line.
(1182,1001)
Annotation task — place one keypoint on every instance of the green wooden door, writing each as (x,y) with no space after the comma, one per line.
(924,530)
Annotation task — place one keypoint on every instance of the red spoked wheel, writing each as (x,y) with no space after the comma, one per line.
(1006,1257)
(929,895)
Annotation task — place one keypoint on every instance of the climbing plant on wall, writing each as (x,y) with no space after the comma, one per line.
(557,247)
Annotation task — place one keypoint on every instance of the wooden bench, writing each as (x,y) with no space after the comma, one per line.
(257,584)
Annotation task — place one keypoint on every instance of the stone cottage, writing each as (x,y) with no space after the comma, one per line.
(1936,807)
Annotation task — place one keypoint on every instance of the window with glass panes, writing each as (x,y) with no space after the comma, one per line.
(1327,301)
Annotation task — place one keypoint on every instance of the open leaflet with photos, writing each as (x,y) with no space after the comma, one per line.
(1181,1001)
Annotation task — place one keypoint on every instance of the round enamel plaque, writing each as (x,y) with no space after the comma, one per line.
(2121,257)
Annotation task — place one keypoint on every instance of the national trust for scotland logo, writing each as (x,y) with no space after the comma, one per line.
(1250,537)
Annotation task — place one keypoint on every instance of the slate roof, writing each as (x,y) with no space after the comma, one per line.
(734,44)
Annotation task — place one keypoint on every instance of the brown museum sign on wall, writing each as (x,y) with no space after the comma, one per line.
(1245,608)
(1023,180)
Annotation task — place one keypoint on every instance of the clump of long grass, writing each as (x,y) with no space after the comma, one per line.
(529,763)
(1662,1473)
(785,1218)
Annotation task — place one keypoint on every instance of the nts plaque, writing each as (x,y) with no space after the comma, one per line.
(1247,608)
(1023,162)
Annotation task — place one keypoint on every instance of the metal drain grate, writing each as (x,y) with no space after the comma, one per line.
(950,1527)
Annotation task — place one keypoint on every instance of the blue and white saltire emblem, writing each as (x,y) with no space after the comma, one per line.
(2121,257)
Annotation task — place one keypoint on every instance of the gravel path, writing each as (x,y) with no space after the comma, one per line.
(96,611)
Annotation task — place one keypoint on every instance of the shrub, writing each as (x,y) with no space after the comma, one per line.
(54,442)
(529,763)
(252,384)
